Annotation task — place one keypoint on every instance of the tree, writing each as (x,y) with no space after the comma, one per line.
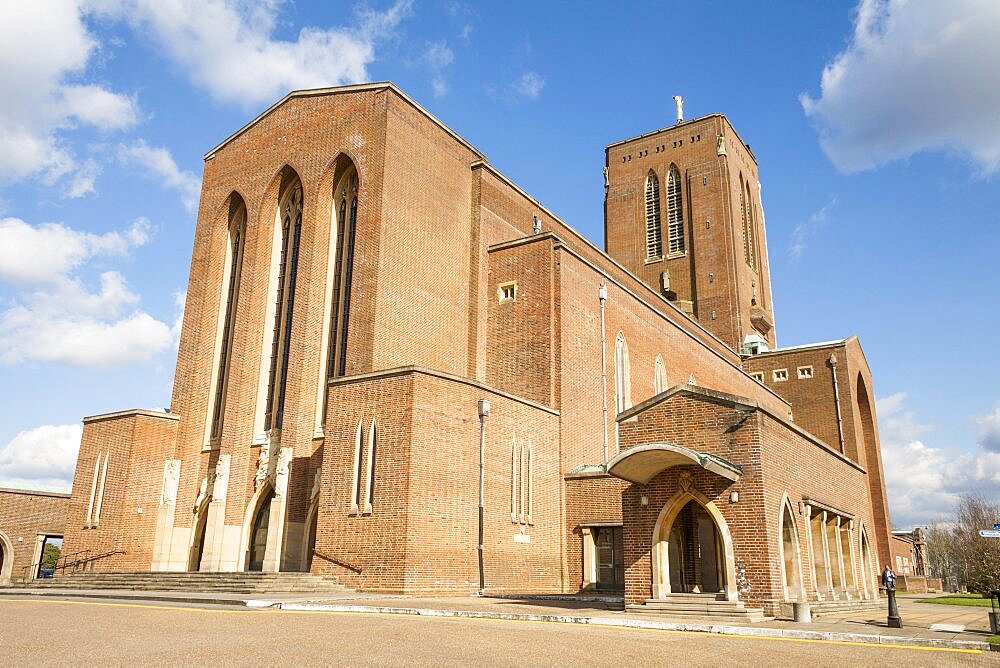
(50,555)
(957,553)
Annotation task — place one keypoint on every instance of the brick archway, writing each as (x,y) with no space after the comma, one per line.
(6,558)
(660,557)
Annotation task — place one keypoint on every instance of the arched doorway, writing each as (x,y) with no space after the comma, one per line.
(258,533)
(791,560)
(310,541)
(6,558)
(198,539)
(695,554)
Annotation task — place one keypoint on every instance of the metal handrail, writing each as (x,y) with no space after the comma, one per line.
(89,560)
(350,567)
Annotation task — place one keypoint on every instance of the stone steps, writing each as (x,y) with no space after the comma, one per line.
(700,607)
(820,608)
(237,583)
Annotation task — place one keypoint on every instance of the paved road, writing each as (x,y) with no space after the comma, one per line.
(36,632)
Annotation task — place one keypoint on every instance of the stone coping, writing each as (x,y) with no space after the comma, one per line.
(133,412)
(34,492)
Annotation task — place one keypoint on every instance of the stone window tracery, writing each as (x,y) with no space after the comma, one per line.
(675,212)
(654,234)
(237,233)
(291,233)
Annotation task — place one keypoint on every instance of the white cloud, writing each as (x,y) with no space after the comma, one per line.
(99,107)
(228,47)
(160,163)
(529,84)
(924,482)
(84,179)
(41,458)
(438,56)
(439,86)
(915,76)
(989,430)
(68,324)
(40,105)
(56,317)
(806,229)
(47,252)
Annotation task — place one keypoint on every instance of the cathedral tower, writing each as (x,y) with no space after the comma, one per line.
(682,211)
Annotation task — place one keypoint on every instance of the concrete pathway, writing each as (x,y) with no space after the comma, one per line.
(964,626)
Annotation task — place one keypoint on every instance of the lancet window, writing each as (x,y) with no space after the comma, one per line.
(291,233)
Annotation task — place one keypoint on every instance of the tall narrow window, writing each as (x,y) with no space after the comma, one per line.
(522,476)
(291,232)
(237,231)
(675,212)
(623,384)
(659,376)
(346,197)
(515,464)
(654,237)
(746,209)
(372,451)
(751,228)
(356,480)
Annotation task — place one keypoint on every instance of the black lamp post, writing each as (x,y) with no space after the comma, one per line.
(889,582)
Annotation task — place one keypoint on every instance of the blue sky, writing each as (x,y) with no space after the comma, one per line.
(876,126)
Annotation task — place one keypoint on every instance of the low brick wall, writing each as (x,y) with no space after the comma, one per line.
(25,516)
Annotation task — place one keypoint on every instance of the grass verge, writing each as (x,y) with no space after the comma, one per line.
(976,600)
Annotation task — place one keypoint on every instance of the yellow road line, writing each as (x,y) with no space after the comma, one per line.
(166,606)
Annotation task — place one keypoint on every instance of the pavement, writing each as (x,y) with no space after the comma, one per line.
(924,624)
(44,630)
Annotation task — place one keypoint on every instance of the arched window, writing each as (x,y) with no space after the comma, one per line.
(675,212)
(623,382)
(749,225)
(654,235)
(237,232)
(659,376)
(290,210)
(346,201)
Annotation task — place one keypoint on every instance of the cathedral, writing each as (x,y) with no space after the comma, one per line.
(400,371)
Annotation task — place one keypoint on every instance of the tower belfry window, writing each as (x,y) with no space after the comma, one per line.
(675,212)
(291,232)
(654,233)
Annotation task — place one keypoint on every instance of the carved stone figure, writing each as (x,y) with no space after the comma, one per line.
(262,466)
(202,493)
(281,471)
(220,481)
(171,476)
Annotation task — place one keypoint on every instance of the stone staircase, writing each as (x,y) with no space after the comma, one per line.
(232,583)
(701,608)
(820,608)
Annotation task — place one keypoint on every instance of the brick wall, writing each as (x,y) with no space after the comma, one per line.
(711,272)
(133,444)
(778,463)
(421,535)
(24,515)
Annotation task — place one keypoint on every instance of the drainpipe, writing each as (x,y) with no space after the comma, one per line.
(484,414)
(836,399)
(602,294)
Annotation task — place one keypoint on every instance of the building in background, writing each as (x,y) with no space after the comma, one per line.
(362,278)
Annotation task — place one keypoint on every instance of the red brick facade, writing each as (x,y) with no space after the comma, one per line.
(26,518)
(462,288)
